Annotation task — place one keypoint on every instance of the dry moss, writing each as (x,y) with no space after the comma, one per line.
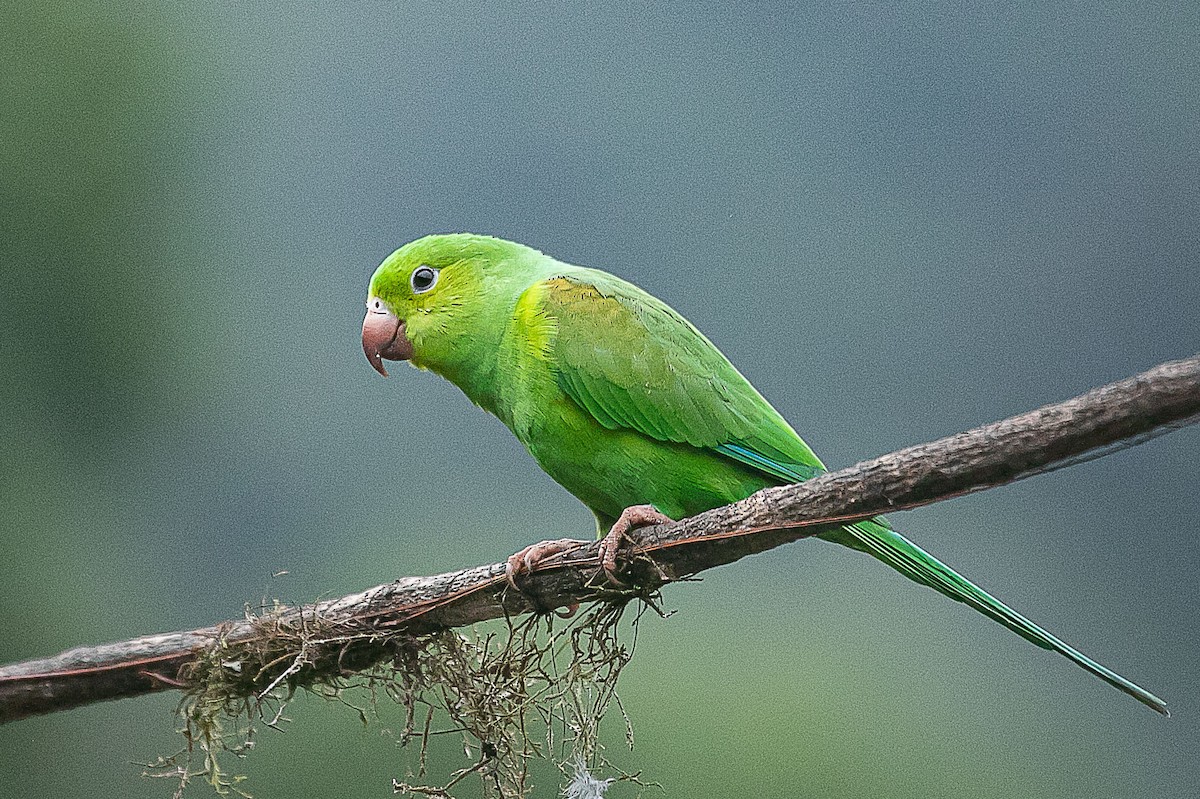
(518,692)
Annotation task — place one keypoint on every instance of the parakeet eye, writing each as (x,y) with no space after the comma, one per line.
(423,278)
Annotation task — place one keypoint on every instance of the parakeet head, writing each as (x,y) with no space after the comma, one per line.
(438,301)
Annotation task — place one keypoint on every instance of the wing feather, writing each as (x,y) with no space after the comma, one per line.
(632,362)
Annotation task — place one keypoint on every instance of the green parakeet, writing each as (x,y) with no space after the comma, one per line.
(619,399)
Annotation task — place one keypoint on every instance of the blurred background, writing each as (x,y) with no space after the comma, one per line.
(897,223)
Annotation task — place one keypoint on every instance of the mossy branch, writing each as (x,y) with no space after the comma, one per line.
(322,643)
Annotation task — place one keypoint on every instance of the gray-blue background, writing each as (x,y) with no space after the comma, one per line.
(898,223)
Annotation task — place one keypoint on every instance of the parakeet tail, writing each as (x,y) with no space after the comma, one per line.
(913,562)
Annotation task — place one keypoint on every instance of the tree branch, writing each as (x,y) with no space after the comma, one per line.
(368,628)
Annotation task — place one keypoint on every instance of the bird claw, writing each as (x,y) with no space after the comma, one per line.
(529,558)
(630,518)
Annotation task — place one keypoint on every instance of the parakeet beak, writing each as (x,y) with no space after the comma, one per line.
(383,336)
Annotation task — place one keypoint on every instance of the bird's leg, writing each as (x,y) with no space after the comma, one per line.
(528,558)
(631,517)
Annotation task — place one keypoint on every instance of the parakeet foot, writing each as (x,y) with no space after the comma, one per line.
(632,517)
(528,558)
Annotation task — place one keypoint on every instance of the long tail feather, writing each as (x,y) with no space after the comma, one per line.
(915,563)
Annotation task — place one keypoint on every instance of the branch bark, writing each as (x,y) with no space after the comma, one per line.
(364,629)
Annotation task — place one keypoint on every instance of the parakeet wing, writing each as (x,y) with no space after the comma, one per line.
(633,362)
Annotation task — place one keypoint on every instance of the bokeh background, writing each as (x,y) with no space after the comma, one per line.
(899,223)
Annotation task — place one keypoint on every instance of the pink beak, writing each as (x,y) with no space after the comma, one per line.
(383,336)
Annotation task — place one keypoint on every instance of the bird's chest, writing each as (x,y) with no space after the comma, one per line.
(600,466)
(565,440)
(611,469)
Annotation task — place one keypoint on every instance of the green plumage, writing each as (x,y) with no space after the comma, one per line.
(623,402)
